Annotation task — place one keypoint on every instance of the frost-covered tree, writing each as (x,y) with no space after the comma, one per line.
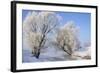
(36,27)
(67,38)
(87,44)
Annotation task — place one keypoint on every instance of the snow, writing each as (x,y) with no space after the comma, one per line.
(82,53)
(52,54)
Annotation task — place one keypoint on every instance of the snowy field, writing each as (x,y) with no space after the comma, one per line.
(49,55)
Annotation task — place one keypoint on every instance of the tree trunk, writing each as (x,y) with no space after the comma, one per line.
(36,52)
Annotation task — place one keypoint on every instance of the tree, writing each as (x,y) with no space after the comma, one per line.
(37,26)
(67,38)
(87,44)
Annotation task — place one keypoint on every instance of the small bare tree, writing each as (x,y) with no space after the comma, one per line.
(67,38)
(37,26)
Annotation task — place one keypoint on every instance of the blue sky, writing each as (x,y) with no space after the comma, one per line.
(82,20)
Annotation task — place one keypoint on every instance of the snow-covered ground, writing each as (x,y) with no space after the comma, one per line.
(83,54)
(50,54)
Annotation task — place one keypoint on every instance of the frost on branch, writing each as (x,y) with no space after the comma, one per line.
(36,27)
(67,38)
